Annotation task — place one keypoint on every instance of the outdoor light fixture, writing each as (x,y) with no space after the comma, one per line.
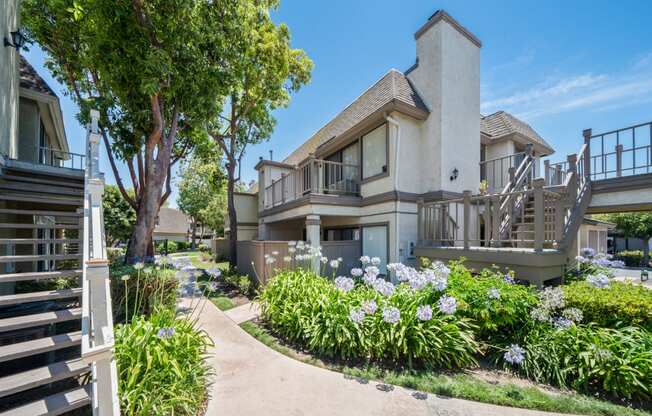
(644,275)
(454,174)
(17,40)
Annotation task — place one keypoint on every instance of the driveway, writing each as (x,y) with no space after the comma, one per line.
(253,380)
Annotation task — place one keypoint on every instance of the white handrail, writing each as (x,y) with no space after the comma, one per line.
(97,316)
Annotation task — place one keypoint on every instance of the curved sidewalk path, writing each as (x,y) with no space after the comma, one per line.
(254,380)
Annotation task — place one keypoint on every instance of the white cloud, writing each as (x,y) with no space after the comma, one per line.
(585,91)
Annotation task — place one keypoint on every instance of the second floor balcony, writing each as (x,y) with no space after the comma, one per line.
(314,177)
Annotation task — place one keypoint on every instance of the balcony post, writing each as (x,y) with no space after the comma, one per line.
(546,172)
(619,160)
(495,221)
(572,186)
(539,214)
(587,156)
(420,222)
(313,235)
(467,218)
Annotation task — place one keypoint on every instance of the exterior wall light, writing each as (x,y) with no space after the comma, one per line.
(17,40)
(454,174)
(644,275)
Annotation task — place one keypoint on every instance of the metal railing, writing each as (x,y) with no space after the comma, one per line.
(315,176)
(97,346)
(622,152)
(58,158)
(497,172)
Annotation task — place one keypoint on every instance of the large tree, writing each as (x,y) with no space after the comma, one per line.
(267,70)
(634,225)
(201,192)
(157,70)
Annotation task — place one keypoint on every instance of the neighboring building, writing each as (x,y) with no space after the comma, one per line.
(172,225)
(246,206)
(43,192)
(411,168)
(593,234)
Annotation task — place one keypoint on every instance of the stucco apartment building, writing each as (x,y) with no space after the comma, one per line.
(412,139)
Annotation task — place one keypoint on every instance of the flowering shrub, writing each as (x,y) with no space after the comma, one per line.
(590,263)
(631,258)
(368,320)
(617,304)
(492,300)
(586,357)
(161,366)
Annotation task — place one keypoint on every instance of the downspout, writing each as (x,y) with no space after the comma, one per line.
(393,121)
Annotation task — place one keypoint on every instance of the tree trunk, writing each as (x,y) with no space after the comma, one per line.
(141,245)
(233,221)
(194,235)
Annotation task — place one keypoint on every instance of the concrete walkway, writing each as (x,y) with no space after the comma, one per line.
(244,313)
(254,380)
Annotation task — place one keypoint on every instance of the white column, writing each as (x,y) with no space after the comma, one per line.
(313,235)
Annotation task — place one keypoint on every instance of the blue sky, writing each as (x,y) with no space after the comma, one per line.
(562,66)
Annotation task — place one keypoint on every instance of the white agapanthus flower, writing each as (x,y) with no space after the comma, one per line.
(287,259)
(356,272)
(573,314)
(493,293)
(139,266)
(424,312)
(562,323)
(324,260)
(600,281)
(375,261)
(344,283)
(274,253)
(365,260)
(391,315)
(552,298)
(292,243)
(292,250)
(514,354)
(357,315)
(540,314)
(270,260)
(369,306)
(334,264)
(447,304)
(383,287)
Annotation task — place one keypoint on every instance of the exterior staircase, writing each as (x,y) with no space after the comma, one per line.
(56,330)
(42,372)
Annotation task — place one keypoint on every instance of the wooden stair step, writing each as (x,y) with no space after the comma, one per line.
(55,404)
(42,200)
(40,296)
(40,241)
(41,212)
(30,179)
(39,346)
(19,226)
(21,277)
(42,189)
(39,257)
(36,377)
(39,319)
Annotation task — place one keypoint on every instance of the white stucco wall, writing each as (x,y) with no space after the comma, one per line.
(448,80)
(8,80)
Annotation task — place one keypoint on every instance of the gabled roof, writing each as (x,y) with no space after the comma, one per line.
(393,87)
(31,80)
(501,124)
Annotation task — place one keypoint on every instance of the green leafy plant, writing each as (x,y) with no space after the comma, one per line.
(590,358)
(491,300)
(310,310)
(631,258)
(161,365)
(619,304)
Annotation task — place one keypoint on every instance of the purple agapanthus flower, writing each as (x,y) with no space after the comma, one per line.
(166,333)
(357,315)
(369,306)
(344,284)
(514,354)
(391,315)
(424,312)
(447,305)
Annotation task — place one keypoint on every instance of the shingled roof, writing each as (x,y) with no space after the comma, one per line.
(393,86)
(500,124)
(31,80)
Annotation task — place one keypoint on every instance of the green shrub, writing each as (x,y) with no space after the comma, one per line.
(172,247)
(620,304)
(496,318)
(242,283)
(631,258)
(115,253)
(589,358)
(182,245)
(141,291)
(205,248)
(161,365)
(311,311)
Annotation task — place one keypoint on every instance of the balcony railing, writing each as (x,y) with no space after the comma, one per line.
(58,158)
(499,172)
(315,176)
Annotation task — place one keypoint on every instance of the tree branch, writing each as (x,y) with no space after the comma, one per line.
(116,174)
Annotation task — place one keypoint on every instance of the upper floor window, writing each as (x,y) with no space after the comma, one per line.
(374,152)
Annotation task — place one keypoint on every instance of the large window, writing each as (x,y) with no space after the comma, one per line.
(374,152)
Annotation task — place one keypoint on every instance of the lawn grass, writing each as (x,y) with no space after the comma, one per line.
(222,302)
(458,385)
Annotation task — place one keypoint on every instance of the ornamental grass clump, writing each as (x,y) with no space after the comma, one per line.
(374,319)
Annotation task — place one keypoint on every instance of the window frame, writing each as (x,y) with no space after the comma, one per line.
(385,171)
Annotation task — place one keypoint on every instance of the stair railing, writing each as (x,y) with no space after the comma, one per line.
(97,320)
